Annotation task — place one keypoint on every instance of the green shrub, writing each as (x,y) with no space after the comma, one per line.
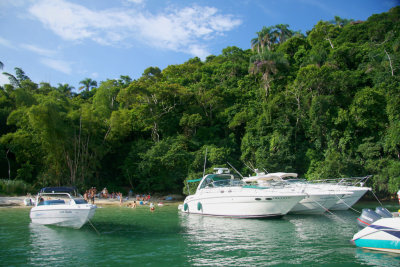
(14,187)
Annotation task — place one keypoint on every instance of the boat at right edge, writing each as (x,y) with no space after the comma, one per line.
(380,230)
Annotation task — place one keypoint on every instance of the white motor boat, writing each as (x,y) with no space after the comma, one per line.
(317,200)
(381,232)
(354,185)
(220,194)
(59,206)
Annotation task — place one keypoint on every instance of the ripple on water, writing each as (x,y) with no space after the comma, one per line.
(168,238)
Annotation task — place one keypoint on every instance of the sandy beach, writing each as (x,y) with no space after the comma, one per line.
(18,201)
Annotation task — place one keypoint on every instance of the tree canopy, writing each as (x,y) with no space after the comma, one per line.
(324,105)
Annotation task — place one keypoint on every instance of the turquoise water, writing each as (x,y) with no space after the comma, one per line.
(138,237)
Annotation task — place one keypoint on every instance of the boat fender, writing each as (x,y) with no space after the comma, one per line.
(199,206)
(186,207)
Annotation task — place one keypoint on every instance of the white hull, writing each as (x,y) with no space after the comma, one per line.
(383,235)
(348,201)
(319,197)
(315,204)
(241,202)
(74,216)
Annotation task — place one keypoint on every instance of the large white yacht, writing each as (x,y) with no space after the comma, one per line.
(59,206)
(220,194)
(354,185)
(317,200)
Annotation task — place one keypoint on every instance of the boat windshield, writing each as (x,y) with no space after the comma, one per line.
(220,180)
(80,201)
(228,182)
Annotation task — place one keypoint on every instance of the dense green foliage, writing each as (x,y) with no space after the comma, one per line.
(323,105)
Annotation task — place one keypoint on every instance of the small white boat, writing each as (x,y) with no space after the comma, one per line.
(59,206)
(317,200)
(220,194)
(383,235)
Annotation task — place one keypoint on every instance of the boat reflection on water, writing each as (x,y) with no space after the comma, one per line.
(229,241)
(377,258)
(49,244)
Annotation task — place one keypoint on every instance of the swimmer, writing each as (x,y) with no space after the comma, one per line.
(151,207)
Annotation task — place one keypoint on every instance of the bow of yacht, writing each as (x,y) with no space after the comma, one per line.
(318,198)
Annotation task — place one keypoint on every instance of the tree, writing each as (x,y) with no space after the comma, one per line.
(338,21)
(66,89)
(87,84)
(283,33)
(18,78)
(265,38)
(268,64)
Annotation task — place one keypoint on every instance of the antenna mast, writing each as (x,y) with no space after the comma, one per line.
(205,161)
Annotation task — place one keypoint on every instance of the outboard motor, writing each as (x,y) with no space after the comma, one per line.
(384,213)
(367,217)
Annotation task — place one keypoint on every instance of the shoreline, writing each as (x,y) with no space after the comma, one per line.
(18,201)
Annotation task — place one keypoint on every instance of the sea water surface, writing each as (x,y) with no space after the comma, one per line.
(165,237)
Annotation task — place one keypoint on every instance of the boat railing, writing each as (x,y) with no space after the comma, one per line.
(350,181)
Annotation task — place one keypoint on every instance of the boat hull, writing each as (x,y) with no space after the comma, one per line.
(74,216)
(315,204)
(383,235)
(347,201)
(250,204)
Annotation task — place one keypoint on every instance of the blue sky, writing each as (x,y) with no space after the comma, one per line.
(66,41)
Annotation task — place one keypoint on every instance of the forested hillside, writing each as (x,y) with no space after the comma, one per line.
(325,104)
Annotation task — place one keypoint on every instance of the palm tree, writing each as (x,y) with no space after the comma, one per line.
(66,89)
(338,21)
(268,64)
(1,65)
(87,84)
(13,81)
(265,38)
(283,32)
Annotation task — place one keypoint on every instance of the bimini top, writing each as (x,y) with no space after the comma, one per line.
(276,176)
(62,189)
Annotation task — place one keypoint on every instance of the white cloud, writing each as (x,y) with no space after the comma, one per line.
(38,50)
(59,65)
(184,30)
(6,43)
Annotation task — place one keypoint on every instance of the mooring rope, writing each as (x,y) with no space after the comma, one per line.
(93,227)
(376,198)
(327,210)
(344,202)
